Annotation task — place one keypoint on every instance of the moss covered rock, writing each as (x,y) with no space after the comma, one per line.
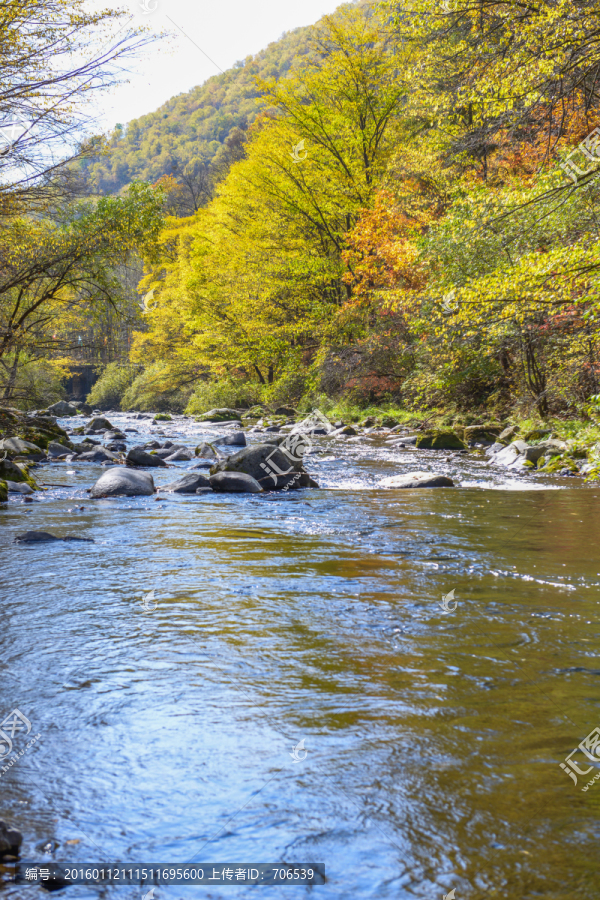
(162,417)
(3,492)
(440,440)
(219,415)
(10,471)
(482,434)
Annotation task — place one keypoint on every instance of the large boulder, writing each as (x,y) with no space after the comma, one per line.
(261,461)
(10,840)
(137,456)
(98,423)
(15,446)
(62,408)
(187,484)
(234,482)
(286,411)
(220,415)
(440,440)
(417,480)
(119,481)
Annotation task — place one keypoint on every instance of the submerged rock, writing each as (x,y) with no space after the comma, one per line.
(187,484)
(122,482)
(417,480)
(10,839)
(44,537)
(137,456)
(234,482)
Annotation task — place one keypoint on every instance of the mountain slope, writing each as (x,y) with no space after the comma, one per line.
(195,135)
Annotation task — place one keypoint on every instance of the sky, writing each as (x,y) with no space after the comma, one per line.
(206,37)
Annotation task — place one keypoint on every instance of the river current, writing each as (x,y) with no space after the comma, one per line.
(432,740)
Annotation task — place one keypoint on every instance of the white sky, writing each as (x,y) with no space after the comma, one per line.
(224,30)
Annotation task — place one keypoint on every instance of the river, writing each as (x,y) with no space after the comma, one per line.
(431,739)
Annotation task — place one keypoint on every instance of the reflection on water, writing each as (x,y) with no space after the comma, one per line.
(433,739)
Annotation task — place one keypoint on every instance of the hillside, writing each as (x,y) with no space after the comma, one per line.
(195,135)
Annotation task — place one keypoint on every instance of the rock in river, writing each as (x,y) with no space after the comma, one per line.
(18,488)
(219,415)
(234,482)
(15,446)
(440,440)
(232,440)
(119,481)
(188,484)
(62,408)
(417,480)
(98,423)
(10,839)
(181,454)
(56,449)
(261,461)
(137,456)
(44,537)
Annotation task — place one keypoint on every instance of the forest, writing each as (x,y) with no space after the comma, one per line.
(392,209)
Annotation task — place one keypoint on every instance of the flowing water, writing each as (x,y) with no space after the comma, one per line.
(432,739)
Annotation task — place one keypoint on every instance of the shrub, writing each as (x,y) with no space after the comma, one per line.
(111,386)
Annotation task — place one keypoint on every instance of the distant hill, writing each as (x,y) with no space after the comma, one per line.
(195,136)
